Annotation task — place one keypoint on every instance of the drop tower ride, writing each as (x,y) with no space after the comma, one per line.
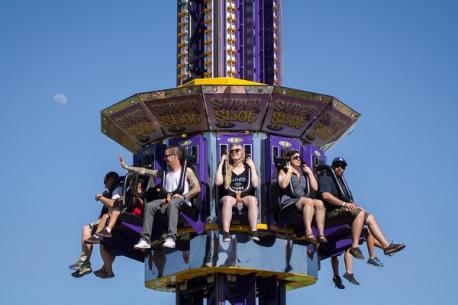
(229,90)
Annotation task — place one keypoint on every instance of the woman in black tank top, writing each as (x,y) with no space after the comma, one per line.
(240,179)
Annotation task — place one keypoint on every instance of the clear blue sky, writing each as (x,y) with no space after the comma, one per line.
(396,62)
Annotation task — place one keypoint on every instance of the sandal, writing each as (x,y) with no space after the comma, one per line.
(309,237)
(322,239)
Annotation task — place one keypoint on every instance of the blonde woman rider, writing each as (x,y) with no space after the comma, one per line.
(239,180)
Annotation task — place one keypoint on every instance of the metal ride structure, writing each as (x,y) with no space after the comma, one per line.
(229,91)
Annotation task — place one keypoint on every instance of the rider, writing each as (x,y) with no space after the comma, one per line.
(293,182)
(107,198)
(174,195)
(239,181)
(342,205)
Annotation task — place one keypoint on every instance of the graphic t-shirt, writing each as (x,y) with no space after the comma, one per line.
(239,182)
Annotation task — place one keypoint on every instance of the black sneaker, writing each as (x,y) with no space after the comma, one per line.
(85,269)
(350,277)
(356,253)
(393,248)
(77,265)
(102,273)
(104,234)
(226,237)
(99,272)
(106,275)
(338,282)
(254,235)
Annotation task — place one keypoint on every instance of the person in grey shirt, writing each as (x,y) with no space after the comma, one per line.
(293,182)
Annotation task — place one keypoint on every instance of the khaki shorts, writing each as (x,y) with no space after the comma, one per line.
(343,215)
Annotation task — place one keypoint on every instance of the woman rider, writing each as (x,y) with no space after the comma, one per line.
(297,174)
(240,173)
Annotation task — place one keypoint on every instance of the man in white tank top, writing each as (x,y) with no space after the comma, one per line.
(172,181)
(169,204)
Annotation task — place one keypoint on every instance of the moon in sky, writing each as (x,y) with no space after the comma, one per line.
(60,99)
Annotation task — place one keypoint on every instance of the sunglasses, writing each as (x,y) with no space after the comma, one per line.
(237,150)
(296,158)
(341,165)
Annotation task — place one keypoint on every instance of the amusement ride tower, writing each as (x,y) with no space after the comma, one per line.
(229,91)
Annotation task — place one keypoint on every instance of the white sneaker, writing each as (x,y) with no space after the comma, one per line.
(169,243)
(142,244)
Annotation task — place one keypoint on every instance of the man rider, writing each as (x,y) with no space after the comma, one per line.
(342,205)
(171,203)
(113,192)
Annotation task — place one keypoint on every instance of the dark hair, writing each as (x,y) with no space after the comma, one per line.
(112,175)
(141,181)
(291,153)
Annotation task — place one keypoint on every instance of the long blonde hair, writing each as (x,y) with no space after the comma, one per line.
(232,164)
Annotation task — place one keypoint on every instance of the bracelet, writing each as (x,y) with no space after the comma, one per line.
(344,203)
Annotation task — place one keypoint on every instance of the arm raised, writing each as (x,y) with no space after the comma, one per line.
(219,179)
(254,174)
(137,170)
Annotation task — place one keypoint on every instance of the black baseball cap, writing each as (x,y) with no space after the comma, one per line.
(339,160)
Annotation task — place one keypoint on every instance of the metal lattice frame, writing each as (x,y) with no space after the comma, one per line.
(229,38)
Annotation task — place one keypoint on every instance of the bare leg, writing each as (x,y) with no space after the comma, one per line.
(227,202)
(335,265)
(377,243)
(370,244)
(335,269)
(356,229)
(113,219)
(108,260)
(102,223)
(159,259)
(86,249)
(348,262)
(252,203)
(376,231)
(308,211)
(320,212)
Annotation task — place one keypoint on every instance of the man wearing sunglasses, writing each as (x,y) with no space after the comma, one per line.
(171,203)
(341,205)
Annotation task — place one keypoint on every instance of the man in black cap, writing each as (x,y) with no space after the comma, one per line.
(341,205)
(108,198)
